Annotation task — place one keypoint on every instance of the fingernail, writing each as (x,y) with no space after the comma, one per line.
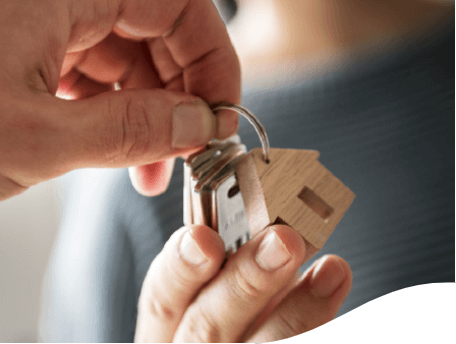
(193,125)
(227,124)
(272,252)
(132,31)
(327,277)
(190,251)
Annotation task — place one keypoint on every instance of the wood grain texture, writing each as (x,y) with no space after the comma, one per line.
(281,183)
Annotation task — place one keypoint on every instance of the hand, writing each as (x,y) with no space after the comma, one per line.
(256,297)
(176,52)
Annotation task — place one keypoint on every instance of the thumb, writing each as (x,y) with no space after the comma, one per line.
(137,127)
(315,301)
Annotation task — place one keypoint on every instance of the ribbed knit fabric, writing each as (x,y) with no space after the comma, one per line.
(385,128)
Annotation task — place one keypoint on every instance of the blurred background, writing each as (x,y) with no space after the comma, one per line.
(28,226)
(29,222)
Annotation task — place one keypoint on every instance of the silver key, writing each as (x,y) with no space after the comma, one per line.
(219,179)
(211,192)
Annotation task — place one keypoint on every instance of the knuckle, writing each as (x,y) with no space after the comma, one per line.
(136,129)
(154,304)
(202,328)
(134,136)
(160,310)
(242,286)
(291,324)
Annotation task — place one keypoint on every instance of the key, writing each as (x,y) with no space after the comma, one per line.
(211,192)
(238,194)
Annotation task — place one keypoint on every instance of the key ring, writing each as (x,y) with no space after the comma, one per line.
(252,119)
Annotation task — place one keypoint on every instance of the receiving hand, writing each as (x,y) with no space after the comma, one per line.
(175,52)
(256,297)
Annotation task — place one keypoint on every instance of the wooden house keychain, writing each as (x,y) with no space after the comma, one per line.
(238,194)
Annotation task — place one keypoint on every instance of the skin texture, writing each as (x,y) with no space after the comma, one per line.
(242,302)
(77,50)
(182,301)
(163,55)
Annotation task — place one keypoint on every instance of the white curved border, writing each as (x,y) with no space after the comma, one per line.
(419,314)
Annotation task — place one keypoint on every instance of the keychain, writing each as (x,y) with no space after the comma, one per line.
(238,194)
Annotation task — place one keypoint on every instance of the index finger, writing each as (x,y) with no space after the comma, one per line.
(196,38)
(190,258)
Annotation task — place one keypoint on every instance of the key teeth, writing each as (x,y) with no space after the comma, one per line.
(197,159)
(239,242)
(218,167)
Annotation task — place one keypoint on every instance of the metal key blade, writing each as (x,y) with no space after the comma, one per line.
(232,223)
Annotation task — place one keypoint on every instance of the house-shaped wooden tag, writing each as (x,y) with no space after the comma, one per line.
(294,188)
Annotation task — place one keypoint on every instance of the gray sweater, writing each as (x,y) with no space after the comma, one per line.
(383,125)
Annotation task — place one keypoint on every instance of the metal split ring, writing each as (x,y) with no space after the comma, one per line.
(252,119)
